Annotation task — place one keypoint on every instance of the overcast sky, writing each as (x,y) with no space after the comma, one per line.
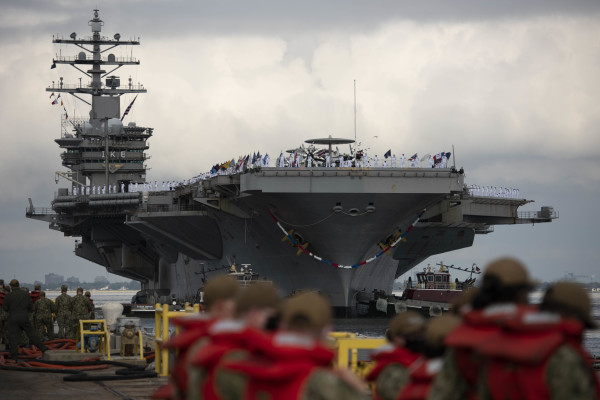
(513,85)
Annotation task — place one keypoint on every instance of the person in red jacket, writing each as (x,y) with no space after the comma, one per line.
(392,361)
(219,301)
(539,355)
(425,368)
(296,362)
(503,295)
(233,339)
(35,293)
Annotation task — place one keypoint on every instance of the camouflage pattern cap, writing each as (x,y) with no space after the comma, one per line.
(14,283)
(64,288)
(510,271)
(311,307)
(259,295)
(572,296)
(37,286)
(87,293)
(438,328)
(222,287)
(406,323)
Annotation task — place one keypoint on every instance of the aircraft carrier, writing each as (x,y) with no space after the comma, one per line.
(339,230)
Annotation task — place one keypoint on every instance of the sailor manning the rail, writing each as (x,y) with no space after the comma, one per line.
(327,161)
(309,161)
(402,161)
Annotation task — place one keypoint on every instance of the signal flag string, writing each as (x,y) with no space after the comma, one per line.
(376,256)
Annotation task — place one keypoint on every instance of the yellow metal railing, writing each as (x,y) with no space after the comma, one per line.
(161,333)
(102,332)
(347,346)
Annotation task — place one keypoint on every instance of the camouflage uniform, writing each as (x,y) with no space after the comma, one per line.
(81,308)
(63,314)
(449,384)
(42,311)
(391,381)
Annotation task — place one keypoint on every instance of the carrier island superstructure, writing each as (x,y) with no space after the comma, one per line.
(327,229)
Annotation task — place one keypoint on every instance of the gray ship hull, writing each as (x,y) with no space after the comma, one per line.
(325,208)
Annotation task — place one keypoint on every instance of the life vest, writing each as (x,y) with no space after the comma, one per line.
(226,337)
(423,371)
(518,354)
(476,328)
(390,354)
(284,367)
(195,328)
(35,295)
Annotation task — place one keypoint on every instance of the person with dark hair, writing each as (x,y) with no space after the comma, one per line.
(503,295)
(539,354)
(393,360)
(18,305)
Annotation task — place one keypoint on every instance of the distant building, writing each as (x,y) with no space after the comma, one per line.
(53,280)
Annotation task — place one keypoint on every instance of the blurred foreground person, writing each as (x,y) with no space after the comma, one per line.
(392,361)
(220,294)
(296,362)
(424,369)
(503,295)
(18,305)
(233,339)
(539,355)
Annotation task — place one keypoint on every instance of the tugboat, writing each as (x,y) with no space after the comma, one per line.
(432,293)
(435,288)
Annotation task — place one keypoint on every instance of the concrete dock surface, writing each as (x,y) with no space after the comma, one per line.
(42,385)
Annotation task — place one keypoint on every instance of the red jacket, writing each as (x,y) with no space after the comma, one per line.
(390,354)
(477,327)
(423,371)
(35,295)
(194,329)
(526,345)
(286,364)
(226,337)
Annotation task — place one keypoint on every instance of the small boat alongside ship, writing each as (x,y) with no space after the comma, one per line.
(433,289)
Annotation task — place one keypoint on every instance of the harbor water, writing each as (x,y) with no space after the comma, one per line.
(370,327)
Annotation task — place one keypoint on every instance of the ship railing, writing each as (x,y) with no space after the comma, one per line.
(75,86)
(529,216)
(76,58)
(40,211)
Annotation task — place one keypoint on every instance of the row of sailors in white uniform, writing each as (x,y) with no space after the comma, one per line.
(295,160)
(131,187)
(492,191)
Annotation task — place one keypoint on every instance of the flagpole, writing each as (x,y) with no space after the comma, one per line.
(355,143)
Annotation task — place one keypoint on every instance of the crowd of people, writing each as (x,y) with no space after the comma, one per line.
(294,160)
(493,191)
(250,344)
(27,317)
